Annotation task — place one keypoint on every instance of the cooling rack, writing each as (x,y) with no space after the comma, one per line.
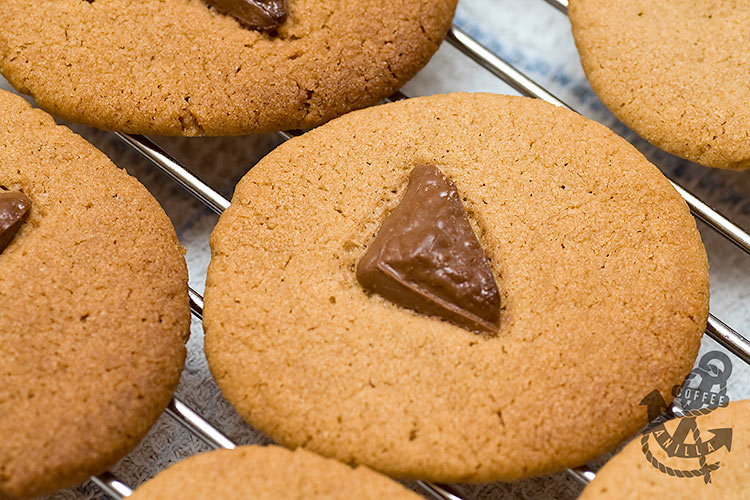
(211,198)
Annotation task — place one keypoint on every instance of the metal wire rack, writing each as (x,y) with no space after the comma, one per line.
(192,421)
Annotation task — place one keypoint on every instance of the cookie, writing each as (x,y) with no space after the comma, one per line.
(270,473)
(185,67)
(601,273)
(95,314)
(631,475)
(675,72)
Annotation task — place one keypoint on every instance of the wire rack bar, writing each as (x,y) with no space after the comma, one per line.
(112,486)
(192,421)
(499,67)
(196,303)
(198,425)
(440,492)
(289,134)
(561,5)
(583,475)
(727,337)
(211,198)
(715,220)
(528,87)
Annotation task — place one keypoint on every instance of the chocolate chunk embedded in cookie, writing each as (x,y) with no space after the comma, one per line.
(426,257)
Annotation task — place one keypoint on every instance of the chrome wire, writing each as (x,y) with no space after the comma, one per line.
(499,67)
(205,193)
(561,5)
(729,338)
(439,491)
(584,475)
(199,426)
(196,303)
(112,486)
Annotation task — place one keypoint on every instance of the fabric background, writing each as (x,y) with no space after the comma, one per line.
(536,38)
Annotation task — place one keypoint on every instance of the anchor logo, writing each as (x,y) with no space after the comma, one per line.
(703,391)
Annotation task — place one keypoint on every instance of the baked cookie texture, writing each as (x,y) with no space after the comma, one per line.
(270,473)
(94,312)
(675,72)
(178,67)
(601,271)
(629,476)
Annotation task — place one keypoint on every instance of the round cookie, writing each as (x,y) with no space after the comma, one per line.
(179,67)
(270,473)
(675,72)
(94,312)
(601,271)
(628,475)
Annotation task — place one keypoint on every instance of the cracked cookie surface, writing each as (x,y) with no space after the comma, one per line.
(93,308)
(675,72)
(602,274)
(178,67)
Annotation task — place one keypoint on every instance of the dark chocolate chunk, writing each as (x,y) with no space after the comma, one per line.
(14,209)
(426,257)
(262,15)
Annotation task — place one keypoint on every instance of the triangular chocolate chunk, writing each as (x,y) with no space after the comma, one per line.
(426,257)
(263,15)
(14,209)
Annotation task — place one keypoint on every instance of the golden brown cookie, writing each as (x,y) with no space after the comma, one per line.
(268,473)
(179,67)
(675,72)
(602,276)
(630,475)
(94,311)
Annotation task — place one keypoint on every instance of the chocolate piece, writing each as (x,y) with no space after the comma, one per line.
(14,209)
(427,258)
(262,15)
